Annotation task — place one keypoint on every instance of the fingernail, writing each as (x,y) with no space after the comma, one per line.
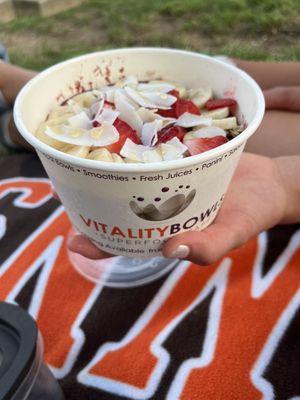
(181,252)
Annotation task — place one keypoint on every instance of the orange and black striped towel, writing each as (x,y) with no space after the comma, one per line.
(225,332)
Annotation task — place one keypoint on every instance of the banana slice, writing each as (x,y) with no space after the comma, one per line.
(207,132)
(101,155)
(117,158)
(78,151)
(63,119)
(40,134)
(130,81)
(200,96)
(129,161)
(218,113)
(61,111)
(226,123)
(182,91)
(85,100)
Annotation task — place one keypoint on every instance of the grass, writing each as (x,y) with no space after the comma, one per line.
(252,29)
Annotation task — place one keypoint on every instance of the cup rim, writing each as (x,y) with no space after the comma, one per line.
(138,167)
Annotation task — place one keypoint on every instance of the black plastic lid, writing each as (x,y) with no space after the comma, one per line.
(18,339)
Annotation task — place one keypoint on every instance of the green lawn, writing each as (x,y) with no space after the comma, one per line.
(255,29)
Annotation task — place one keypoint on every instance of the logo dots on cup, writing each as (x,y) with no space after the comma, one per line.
(170,207)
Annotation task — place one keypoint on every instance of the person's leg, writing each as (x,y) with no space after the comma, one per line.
(12,79)
(3,53)
(270,74)
(3,57)
(278,135)
(5,109)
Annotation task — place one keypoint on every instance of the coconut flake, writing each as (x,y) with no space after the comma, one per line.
(109,93)
(133,151)
(147,115)
(226,123)
(161,87)
(160,100)
(150,156)
(130,81)
(97,107)
(107,115)
(127,112)
(138,98)
(80,120)
(122,92)
(167,121)
(149,132)
(180,89)
(178,144)
(188,120)
(150,116)
(170,152)
(102,136)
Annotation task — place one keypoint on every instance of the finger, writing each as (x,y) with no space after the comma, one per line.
(272,100)
(208,246)
(283,98)
(83,246)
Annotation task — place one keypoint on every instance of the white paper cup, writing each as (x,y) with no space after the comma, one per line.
(131,209)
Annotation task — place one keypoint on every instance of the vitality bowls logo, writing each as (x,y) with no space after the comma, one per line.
(160,208)
(141,236)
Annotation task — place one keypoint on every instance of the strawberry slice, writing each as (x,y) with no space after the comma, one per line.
(219,103)
(183,106)
(200,145)
(96,124)
(171,113)
(179,107)
(169,133)
(108,104)
(174,93)
(125,132)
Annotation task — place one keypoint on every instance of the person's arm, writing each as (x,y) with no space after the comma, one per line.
(289,172)
(264,192)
